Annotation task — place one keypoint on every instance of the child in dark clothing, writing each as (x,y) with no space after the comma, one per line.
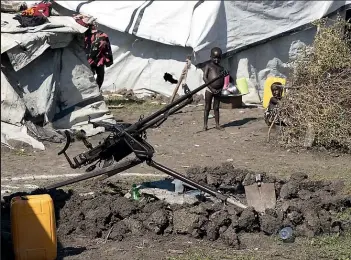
(271,112)
(97,47)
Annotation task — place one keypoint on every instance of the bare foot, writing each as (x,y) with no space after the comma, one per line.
(205,128)
(218,127)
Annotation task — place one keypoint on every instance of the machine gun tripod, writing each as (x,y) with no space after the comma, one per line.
(126,139)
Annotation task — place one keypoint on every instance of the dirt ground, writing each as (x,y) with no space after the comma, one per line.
(180,144)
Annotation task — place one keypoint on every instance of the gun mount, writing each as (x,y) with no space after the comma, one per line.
(126,139)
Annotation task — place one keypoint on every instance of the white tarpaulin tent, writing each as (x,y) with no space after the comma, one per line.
(150,38)
(45,74)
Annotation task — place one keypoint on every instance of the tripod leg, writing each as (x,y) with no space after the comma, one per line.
(112,173)
(203,188)
(116,169)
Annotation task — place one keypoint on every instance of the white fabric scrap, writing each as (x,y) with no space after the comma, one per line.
(18,133)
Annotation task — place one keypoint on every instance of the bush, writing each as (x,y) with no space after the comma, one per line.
(320,98)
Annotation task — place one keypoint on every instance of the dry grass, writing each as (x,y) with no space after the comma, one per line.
(321,101)
(322,247)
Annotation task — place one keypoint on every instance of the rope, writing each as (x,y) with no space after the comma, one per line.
(186,69)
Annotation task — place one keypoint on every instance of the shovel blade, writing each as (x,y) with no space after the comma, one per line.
(261,197)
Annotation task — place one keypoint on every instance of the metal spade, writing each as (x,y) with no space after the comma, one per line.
(260,195)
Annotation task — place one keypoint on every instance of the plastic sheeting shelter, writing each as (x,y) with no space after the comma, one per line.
(45,77)
(150,38)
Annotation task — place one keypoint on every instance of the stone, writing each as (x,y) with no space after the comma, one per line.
(298,176)
(213,180)
(119,231)
(135,226)
(220,218)
(157,222)
(304,194)
(230,238)
(212,231)
(289,190)
(312,221)
(248,220)
(295,217)
(269,224)
(183,221)
(303,230)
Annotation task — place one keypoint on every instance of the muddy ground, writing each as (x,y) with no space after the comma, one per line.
(180,144)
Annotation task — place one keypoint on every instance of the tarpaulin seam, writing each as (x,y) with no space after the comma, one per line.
(196,6)
(140,16)
(132,19)
(81,4)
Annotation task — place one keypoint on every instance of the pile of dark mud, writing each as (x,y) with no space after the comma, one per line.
(310,207)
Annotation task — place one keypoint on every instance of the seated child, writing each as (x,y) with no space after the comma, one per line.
(271,112)
(213,70)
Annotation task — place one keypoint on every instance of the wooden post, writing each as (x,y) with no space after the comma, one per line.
(182,77)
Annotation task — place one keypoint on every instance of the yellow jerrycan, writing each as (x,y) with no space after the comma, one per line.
(242,86)
(267,92)
(33,227)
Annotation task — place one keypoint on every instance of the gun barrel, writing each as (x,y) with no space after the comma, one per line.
(122,166)
(140,123)
(160,119)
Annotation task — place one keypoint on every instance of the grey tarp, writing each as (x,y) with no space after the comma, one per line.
(46,73)
(12,106)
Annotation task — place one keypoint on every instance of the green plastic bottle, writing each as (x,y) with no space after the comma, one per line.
(135,192)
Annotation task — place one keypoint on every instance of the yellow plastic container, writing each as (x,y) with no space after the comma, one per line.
(242,86)
(33,228)
(267,92)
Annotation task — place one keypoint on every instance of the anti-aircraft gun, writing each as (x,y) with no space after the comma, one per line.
(127,139)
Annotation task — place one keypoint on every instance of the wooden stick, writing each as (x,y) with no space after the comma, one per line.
(269,130)
(182,77)
(108,234)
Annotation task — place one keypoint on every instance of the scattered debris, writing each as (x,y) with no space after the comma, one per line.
(168,196)
(115,107)
(156,98)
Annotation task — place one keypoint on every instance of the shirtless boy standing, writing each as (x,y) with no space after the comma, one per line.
(213,91)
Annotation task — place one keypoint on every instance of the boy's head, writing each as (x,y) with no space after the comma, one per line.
(216,55)
(277,89)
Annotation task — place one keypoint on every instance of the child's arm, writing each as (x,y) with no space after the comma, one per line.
(205,77)
(206,74)
(274,100)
